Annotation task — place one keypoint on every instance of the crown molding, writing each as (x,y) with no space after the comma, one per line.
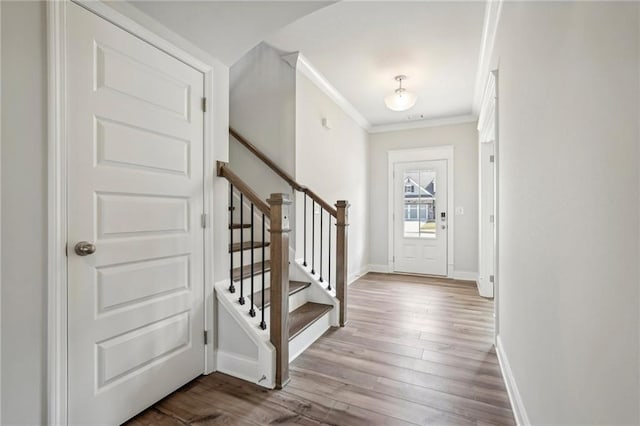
(486,119)
(302,64)
(492,12)
(419,124)
(298,61)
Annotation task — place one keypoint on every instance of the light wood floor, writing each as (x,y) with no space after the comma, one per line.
(416,351)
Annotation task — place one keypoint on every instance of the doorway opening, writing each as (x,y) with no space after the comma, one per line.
(420,202)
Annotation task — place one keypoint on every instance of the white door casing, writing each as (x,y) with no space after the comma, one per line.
(135,189)
(421,217)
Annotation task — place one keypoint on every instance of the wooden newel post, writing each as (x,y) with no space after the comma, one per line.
(279,255)
(342,222)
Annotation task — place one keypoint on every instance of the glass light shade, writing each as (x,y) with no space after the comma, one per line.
(400,100)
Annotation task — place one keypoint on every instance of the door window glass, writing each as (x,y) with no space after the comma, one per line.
(419,203)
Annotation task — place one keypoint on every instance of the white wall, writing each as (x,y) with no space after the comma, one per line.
(464,138)
(262,109)
(333,163)
(569,208)
(24,201)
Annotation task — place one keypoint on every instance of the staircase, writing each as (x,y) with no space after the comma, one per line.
(274,306)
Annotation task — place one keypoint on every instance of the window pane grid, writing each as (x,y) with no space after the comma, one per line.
(419,204)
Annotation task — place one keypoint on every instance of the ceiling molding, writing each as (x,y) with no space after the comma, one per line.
(489,30)
(291,59)
(486,120)
(419,124)
(298,61)
(303,65)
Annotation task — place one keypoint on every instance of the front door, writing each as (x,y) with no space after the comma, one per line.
(135,196)
(420,217)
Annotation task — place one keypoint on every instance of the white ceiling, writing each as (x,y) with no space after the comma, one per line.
(226,29)
(360,46)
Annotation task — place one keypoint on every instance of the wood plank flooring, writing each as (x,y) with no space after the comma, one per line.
(416,350)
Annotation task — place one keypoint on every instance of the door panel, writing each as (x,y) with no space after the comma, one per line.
(135,190)
(420,225)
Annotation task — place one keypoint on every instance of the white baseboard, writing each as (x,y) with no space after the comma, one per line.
(379,268)
(238,366)
(354,276)
(350,278)
(465,276)
(519,412)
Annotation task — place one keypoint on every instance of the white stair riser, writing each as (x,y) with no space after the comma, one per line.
(295,301)
(246,234)
(257,283)
(312,333)
(298,299)
(257,256)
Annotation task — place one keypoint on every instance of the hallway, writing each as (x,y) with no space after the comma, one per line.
(416,350)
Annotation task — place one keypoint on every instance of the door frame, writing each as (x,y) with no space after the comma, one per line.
(488,131)
(485,236)
(214,128)
(442,152)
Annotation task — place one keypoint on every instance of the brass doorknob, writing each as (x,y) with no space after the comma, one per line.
(85,248)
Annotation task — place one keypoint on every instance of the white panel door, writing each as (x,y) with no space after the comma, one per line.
(135,191)
(420,224)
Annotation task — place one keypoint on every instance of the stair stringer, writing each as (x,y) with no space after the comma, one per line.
(258,367)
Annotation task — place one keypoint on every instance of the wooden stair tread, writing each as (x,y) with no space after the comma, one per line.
(246,270)
(305,316)
(294,287)
(246,246)
(240,226)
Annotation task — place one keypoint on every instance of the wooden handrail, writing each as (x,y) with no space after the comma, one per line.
(225,172)
(315,197)
(284,175)
(266,160)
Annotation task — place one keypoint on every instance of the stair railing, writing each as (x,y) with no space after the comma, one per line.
(337,216)
(277,213)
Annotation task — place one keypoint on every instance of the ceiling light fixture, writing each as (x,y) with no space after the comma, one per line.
(400,99)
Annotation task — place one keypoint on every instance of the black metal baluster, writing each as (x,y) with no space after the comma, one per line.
(313,236)
(329,274)
(304,232)
(252,311)
(241,298)
(321,210)
(232,289)
(263,324)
